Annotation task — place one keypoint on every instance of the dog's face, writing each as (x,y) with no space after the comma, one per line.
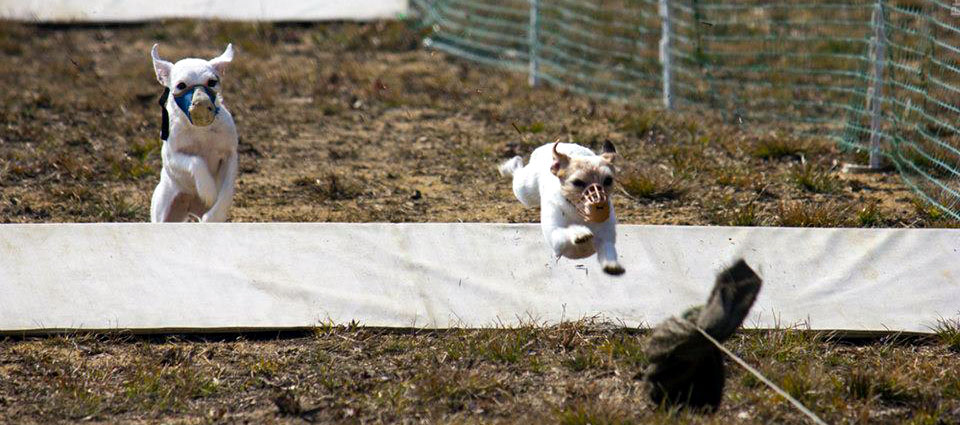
(194,84)
(587,181)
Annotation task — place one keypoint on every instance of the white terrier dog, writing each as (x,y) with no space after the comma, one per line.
(571,184)
(199,150)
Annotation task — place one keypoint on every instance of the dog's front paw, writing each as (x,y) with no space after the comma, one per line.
(207,191)
(614,269)
(580,235)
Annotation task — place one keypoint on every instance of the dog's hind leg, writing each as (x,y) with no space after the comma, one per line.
(168,204)
(510,166)
(526,186)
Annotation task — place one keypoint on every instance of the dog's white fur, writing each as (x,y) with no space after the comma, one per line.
(199,163)
(563,228)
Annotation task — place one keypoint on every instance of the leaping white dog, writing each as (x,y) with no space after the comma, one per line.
(571,184)
(199,150)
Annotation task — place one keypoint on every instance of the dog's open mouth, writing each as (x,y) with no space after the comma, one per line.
(594,206)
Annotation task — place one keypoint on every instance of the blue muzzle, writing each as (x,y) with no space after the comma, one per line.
(185,99)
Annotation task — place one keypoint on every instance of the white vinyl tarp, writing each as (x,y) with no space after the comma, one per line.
(207,277)
(247,10)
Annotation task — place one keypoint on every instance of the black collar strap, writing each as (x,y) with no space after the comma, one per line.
(165,117)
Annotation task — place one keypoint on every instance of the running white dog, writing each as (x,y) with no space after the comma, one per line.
(571,184)
(199,150)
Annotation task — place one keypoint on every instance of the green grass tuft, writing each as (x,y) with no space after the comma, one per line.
(777,148)
(798,384)
(859,385)
(118,208)
(534,127)
(813,179)
(508,346)
(641,123)
(928,211)
(158,388)
(625,348)
(583,360)
(457,390)
(870,215)
(330,187)
(652,185)
(735,177)
(812,214)
(729,211)
(592,414)
(948,332)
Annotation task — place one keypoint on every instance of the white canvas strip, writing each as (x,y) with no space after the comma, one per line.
(248,10)
(150,277)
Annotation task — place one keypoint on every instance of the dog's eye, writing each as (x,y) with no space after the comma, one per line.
(608,181)
(181,86)
(579,183)
(212,83)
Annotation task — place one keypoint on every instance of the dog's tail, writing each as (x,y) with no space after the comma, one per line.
(510,166)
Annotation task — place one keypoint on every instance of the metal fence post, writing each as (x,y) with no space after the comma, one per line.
(665,61)
(533,39)
(876,98)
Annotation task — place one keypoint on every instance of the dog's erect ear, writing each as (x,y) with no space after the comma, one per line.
(609,151)
(560,161)
(162,67)
(220,63)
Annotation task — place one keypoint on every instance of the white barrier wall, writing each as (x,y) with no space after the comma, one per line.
(199,277)
(248,10)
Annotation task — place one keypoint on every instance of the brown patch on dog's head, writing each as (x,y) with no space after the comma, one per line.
(587,181)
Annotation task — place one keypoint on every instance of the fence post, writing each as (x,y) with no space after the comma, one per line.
(698,46)
(665,61)
(876,97)
(533,39)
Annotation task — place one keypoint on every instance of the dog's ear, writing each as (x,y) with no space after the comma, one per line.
(560,161)
(220,63)
(162,67)
(609,151)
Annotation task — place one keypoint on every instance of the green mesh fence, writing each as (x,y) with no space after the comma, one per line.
(879,77)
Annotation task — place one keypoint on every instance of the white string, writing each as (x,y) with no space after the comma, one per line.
(796,403)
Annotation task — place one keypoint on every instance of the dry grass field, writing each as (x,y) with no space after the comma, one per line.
(349,122)
(357,123)
(572,374)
